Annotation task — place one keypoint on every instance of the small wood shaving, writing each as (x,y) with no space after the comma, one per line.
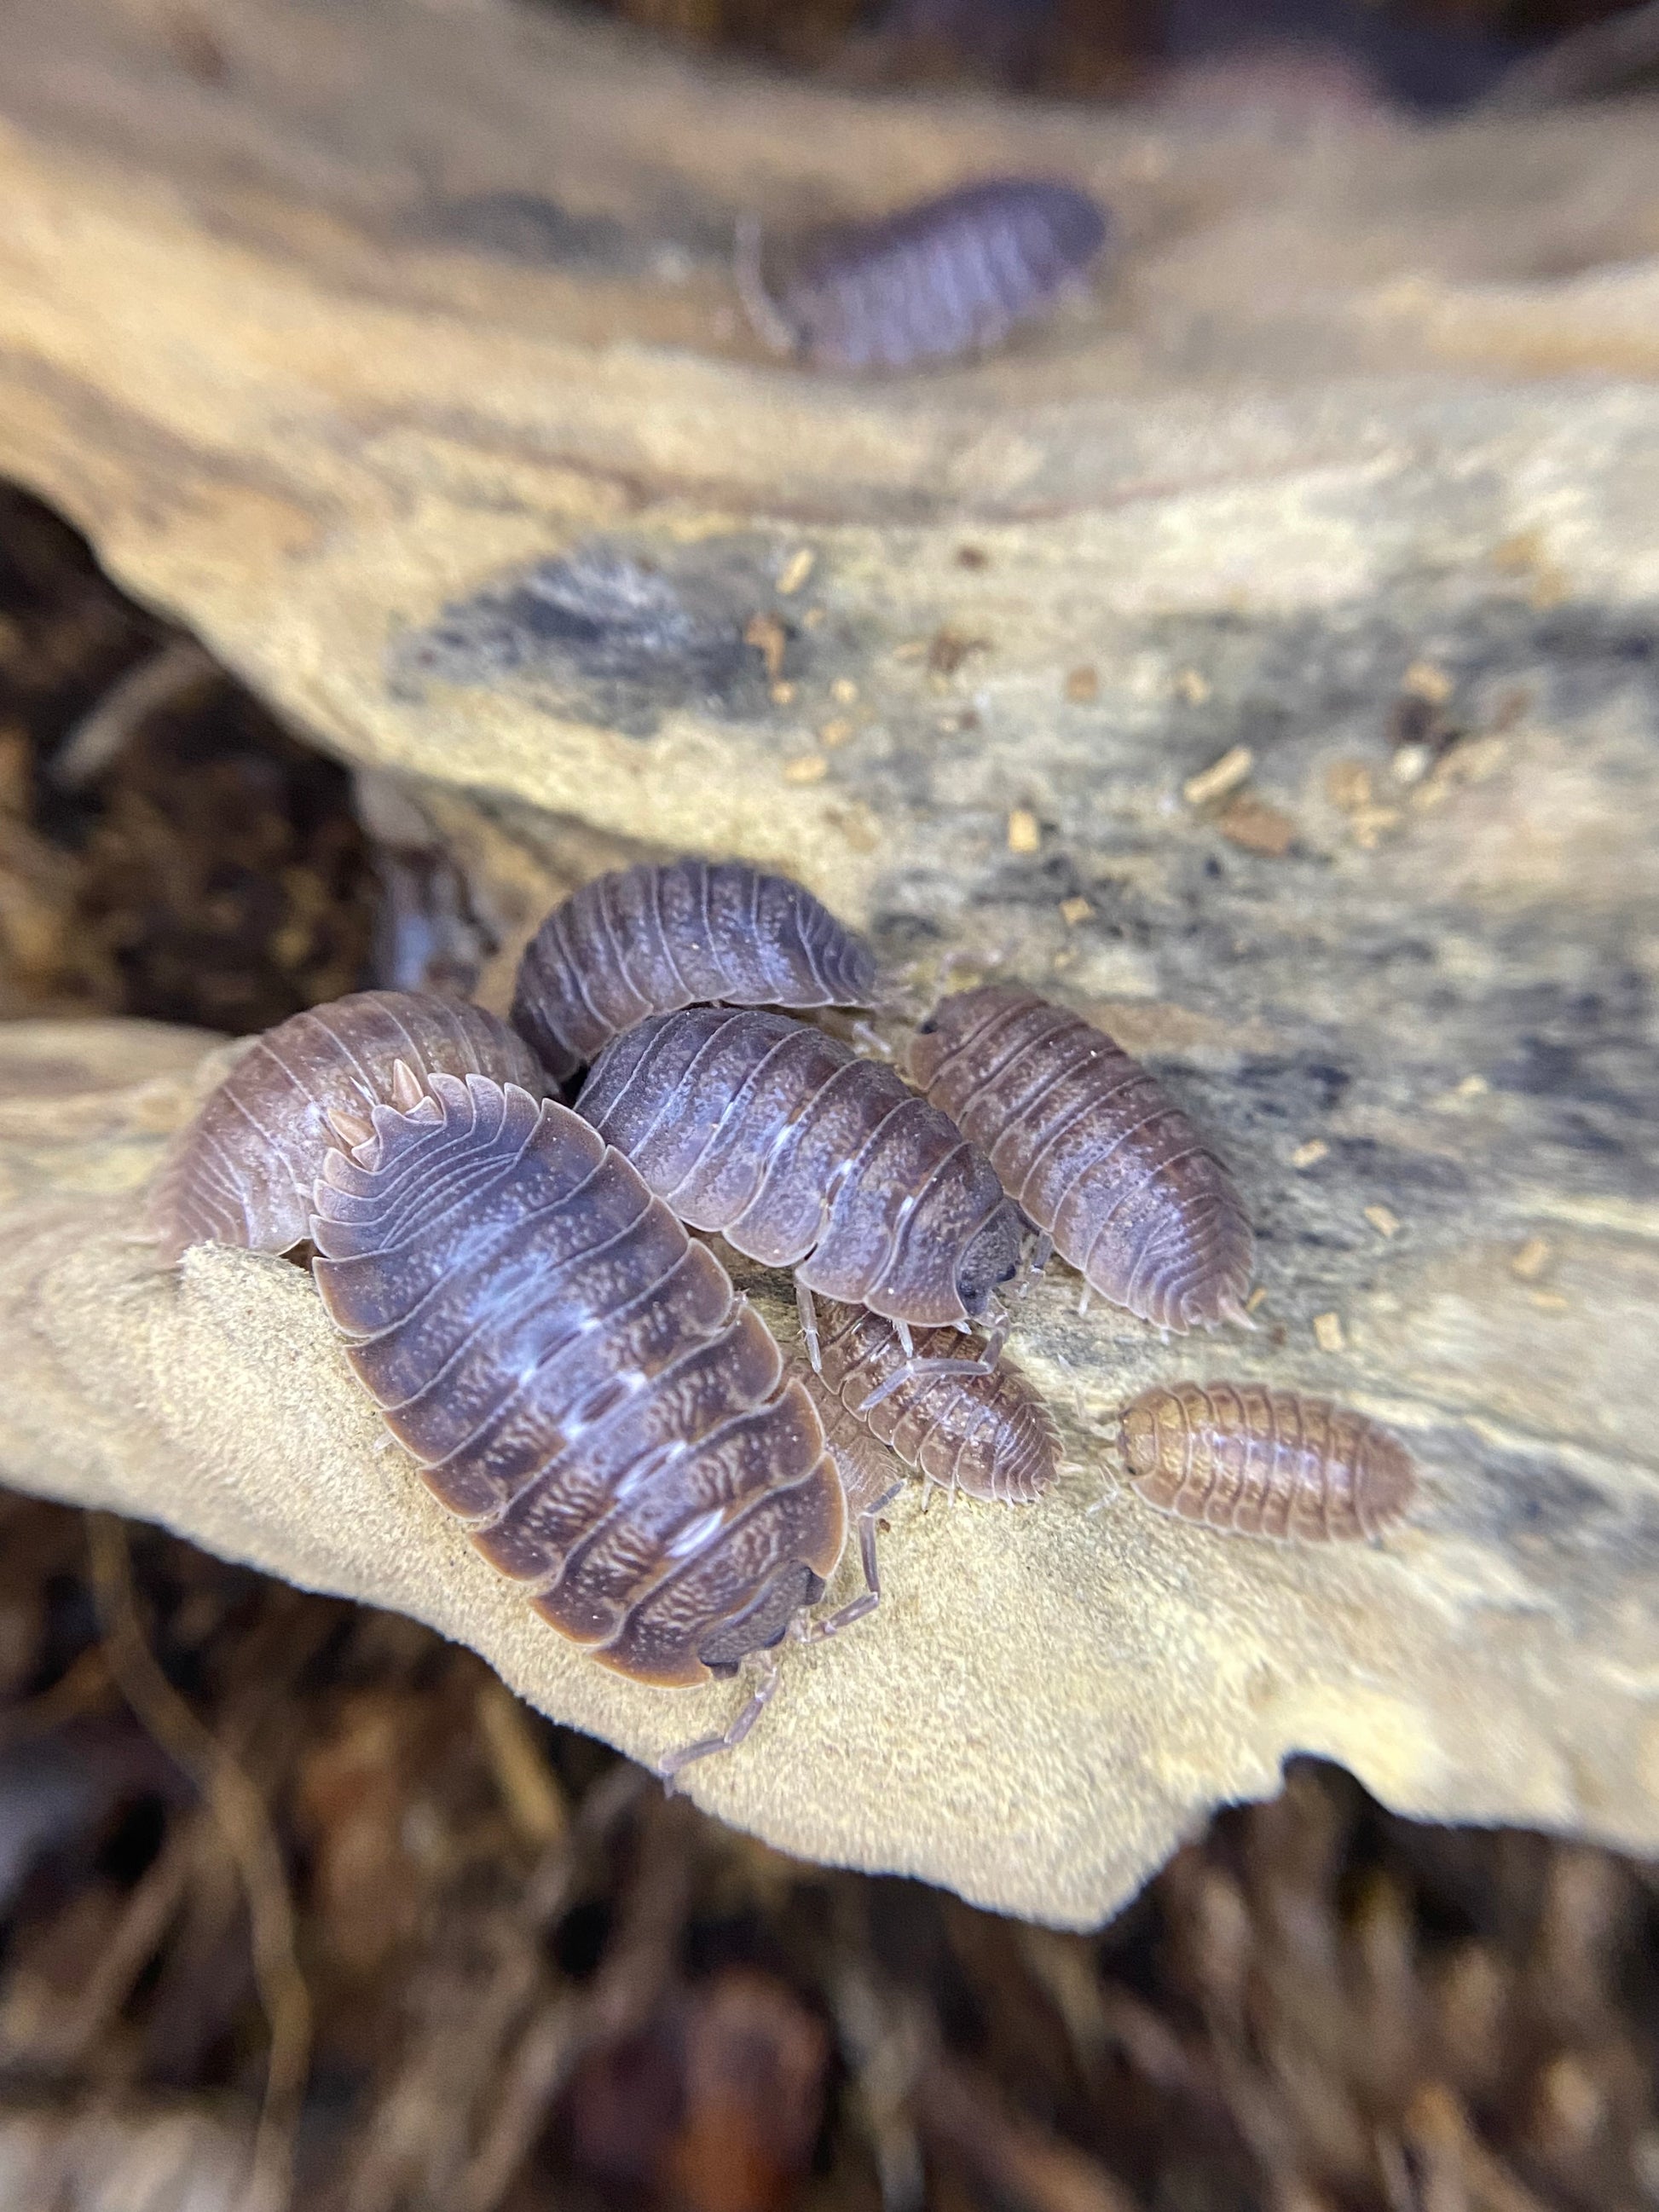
(796,569)
(1473,1087)
(1327,1332)
(1423,680)
(1074,910)
(809,768)
(768,637)
(1082,686)
(1384,1222)
(1192,687)
(1304,1155)
(1257,1298)
(1348,785)
(1220,777)
(835,733)
(948,648)
(783,695)
(1549,1301)
(1258,828)
(1530,1262)
(843,691)
(1369,823)
(1023,835)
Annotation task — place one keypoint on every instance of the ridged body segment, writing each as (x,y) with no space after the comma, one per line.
(577,1380)
(1257,1461)
(1094,1151)
(242,1172)
(988,1436)
(649,940)
(950,276)
(804,1155)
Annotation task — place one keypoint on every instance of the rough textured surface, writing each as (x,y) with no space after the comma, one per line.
(1360,444)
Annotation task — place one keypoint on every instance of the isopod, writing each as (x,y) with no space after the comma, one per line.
(989,1435)
(242,1172)
(1094,1151)
(578,1381)
(647,940)
(1258,1462)
(804,1155)
(949,276)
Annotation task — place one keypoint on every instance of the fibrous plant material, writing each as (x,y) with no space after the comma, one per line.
(649,940)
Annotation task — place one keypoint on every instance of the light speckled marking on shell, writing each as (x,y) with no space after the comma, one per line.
(1094,1151)
(988,1436)
(804,1155)
(241,1173)
(950,276)
(1257,1461)
(647,940)
(578,1380)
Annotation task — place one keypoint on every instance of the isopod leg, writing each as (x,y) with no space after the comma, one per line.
(914,1370)
(814,1631)
(809,1324)
(705,1748)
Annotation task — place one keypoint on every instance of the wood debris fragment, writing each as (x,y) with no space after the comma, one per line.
(1221,776)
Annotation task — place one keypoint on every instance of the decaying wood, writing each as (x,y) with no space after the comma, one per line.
(396,353)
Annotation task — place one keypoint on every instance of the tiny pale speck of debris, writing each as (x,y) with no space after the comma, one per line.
(1531,1260)
(1023,835)
(1384,1222)
(1305,1154)
(1074,910)
(809,768)
(796,569)
(1220,777)
(1327,1332)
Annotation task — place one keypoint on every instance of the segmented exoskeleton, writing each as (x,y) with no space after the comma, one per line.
(242,1172)
(804,1155)
(1257,1461)
(647,941)
(577,1380)
(950,276)
(986,1433)
(1093,1151)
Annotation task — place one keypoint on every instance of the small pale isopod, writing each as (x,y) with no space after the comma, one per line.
(1257,1461)
(990,1435)
(241,1173)
(804,1155)
(1094,1151)
(647,940)
(577,1380)
(951,275)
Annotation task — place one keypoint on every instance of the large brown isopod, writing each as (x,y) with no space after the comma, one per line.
(1094,1151)
(647,941)
(989,1435)
(804,1155)
(1257,1461)
(242,1172)
(947,276)
(577,1380)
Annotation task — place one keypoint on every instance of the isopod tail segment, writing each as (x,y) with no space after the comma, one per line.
(867,1486)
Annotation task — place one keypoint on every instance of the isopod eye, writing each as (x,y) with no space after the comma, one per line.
(990,1259)
(929,1028)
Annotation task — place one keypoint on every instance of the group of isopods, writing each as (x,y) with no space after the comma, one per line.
(576,1375)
